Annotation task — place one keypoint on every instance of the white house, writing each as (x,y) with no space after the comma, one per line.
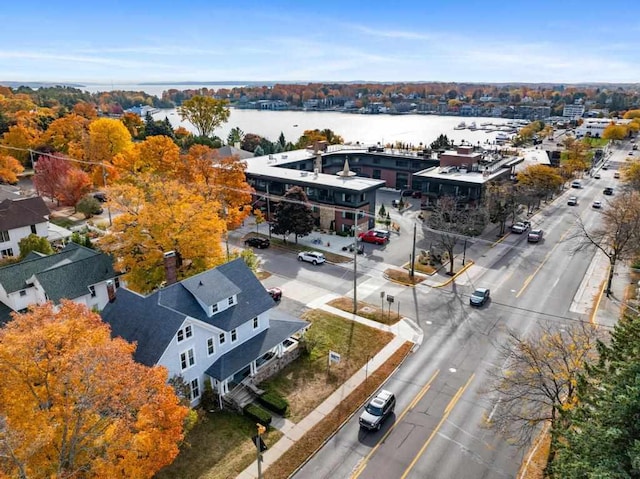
(216,326)
(77,273)
(594,127)
(18,219)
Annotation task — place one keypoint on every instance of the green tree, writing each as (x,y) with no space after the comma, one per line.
(236,135)
(441,143)
(34,242)
(205,113)
(88,206)
(293,214)
(501,202)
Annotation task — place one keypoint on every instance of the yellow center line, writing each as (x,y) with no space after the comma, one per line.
(447,411)
(411,405)
(530,278)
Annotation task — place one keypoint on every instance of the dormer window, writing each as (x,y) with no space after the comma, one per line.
(92,289)
(231,301)
(214,308)
(185,333)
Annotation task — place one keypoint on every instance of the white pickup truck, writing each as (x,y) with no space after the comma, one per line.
(520,227)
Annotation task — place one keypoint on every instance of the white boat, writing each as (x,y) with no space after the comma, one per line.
(461,126)
(473,126)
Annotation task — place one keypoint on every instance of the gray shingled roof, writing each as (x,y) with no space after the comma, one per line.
(5,314)
(239,357)
(67,274)
(140,319)
(22,212)
(152,321)
(210,286)
(226,151)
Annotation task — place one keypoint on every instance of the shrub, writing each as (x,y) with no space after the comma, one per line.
(258,414)
(89,206)
(273,401)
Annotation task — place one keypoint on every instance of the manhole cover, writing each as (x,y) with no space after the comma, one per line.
(367,309)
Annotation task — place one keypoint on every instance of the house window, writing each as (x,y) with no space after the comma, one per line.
(377,174)
(93,291)
(6,252)
(255,323)
(231,301)
(211,349)
(4,236)
(234,336)
(185,333)
(187,359)
(116,281)
(222,338)
(23,293)
(214,308)
(33,229)
(195,389)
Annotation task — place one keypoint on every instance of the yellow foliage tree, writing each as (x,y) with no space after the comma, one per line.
(74,403)
(21,138)
(66,133)
(631,175)
(10,168)
(160,216)
(615,132)
(107,138)
(542,180)
(157,155)
(631,114)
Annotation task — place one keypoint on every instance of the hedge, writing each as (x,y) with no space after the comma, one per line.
(258,414)
(273,401)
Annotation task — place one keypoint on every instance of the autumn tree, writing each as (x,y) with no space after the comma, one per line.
(160,215)
(311,137)
(74,403)
(107,138)
(21,139)
(85,110)
(220,179)
(36,243)
(501,202)
(66,133)
(250,142)
(74,185)
(10,168)
(576,155)
(615,132)
(631,175)
(157,155)
(617,235)
(539,377)
(134,124)
(293,214)
(205,113)
(50,171)
(542,180)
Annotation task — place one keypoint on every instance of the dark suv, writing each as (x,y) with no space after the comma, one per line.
(378,409)
(257,242)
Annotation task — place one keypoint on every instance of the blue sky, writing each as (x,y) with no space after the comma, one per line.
(202,40)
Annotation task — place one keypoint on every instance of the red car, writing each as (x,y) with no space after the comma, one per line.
(374,237)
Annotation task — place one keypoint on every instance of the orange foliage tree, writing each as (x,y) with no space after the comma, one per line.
(74,185)
(66,133)
(156,155)
(74,403)
(221,179)
(10,168)
(160,215)
(20,138)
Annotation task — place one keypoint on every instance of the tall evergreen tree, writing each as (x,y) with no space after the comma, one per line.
(293,214)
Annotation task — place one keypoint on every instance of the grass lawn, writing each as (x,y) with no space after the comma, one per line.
(595,142)
(366,310)
(218,447)
(305,383)
(403,277)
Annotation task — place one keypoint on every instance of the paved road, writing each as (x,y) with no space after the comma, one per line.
(439,428)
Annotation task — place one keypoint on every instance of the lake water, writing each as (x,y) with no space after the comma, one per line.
(367,129)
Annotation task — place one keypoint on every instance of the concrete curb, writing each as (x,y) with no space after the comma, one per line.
(469,264)
(596,307)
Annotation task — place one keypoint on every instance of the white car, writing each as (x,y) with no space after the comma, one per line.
(597,204)
(520,227)
(311,257)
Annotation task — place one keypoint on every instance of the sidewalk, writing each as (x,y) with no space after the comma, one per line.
(404,330)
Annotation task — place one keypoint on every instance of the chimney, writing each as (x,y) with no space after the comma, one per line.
(236,145)
(111,291)
(318,162)
(170,267)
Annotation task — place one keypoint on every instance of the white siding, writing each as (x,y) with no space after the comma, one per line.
(16,234)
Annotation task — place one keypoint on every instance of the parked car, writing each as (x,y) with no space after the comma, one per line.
(479,297)
(535,235)
(608,191)
(275,293)
(520,227)
(605,167)
(576,184)
(597,176)
(385,233)
(573,201)
(635,147)
(416,194)
(100,196)
(257,242)
(597,204)
(374,237)
(616,175)
(314,257)
(406,193)
(377,410)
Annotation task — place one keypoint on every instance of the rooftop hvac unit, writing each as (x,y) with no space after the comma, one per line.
(315,172)
(284,157)
(304,173)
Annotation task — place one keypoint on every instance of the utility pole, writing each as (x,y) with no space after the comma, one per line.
(355,264)
(268,211)
(104,180)
(413,252)
(464,251)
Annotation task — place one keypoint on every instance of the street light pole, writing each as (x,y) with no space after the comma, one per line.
(268,211)
(413,252)
(464,251)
